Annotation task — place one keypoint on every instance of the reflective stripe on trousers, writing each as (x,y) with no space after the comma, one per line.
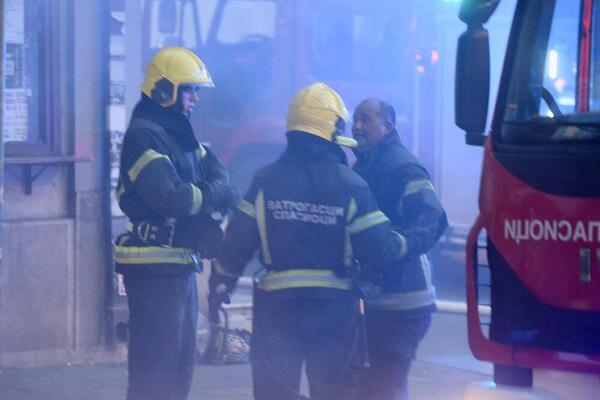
(154,255)
(298,278)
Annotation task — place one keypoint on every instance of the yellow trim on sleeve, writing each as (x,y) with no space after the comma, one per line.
(416,186)
(367,221)
(120,191)
(197,200)
(261,220)
(201,152)
(348,252)
(142,162)
(351,210)
(246,207)
(402,241)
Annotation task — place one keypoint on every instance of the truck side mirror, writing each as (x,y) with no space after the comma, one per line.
(472,84)
(167,16)
(477,12)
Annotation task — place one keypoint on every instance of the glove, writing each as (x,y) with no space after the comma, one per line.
(201,233)
(209,238)
(219,290)
(218,196)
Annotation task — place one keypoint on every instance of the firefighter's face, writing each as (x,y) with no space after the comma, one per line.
(189,97)
(368,126)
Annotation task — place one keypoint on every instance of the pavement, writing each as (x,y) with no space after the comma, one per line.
(444,367)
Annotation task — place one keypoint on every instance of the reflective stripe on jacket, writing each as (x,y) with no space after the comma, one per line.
(162,166)
(310,217)
(404,192)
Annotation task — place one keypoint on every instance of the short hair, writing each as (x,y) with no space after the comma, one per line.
(387,112)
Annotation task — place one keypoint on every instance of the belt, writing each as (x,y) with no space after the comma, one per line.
(154,233)
(132,256)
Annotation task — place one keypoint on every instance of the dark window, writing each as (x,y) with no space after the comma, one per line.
(360,42)
(240,57)
(595,60)
(30,79)
(541,106)
(560,69)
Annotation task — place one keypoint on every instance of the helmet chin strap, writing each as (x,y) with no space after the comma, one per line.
(344,140)
(338,136)
(178,106)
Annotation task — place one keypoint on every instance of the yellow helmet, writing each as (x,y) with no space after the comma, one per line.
(316,109)
(170,68)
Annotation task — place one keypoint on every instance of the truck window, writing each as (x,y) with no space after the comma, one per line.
(369,41)
(173,23)
(595,63)
(189,21)
(541,103)
(239,53)
(560,72)
(244,19)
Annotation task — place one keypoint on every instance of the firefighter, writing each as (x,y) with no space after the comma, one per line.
(399,313)
(309,216)
(169,185)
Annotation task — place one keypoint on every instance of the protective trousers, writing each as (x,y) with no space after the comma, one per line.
(163,312)
(289,332)
(393,340)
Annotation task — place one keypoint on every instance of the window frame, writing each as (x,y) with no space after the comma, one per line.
(51,93)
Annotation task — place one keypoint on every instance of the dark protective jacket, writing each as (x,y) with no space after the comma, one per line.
(310,216)
(405,194)
(162,166)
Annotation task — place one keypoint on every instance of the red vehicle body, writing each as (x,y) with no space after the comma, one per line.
(534,253)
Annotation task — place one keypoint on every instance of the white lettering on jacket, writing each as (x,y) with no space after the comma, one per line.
(305,212)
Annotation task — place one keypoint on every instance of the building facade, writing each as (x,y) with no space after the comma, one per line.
(56,275)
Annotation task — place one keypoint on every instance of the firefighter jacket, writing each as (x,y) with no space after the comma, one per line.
(162,169)
(404,193)
(309,216)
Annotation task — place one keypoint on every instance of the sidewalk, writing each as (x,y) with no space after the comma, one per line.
(442,370)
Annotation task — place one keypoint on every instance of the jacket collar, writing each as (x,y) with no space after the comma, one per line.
(389,139)
(170,119)
(306,147)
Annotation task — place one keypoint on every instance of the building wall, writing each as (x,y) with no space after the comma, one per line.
(56,270)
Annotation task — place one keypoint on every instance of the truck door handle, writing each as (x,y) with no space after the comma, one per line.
(585,265)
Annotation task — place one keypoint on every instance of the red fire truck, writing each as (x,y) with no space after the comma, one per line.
(260,52)
(533,255)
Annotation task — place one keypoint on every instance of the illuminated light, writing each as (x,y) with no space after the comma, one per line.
(560,84)
(566,101)
(435,56)
(420,69)
(552,64)
(418,56)
(549,114)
